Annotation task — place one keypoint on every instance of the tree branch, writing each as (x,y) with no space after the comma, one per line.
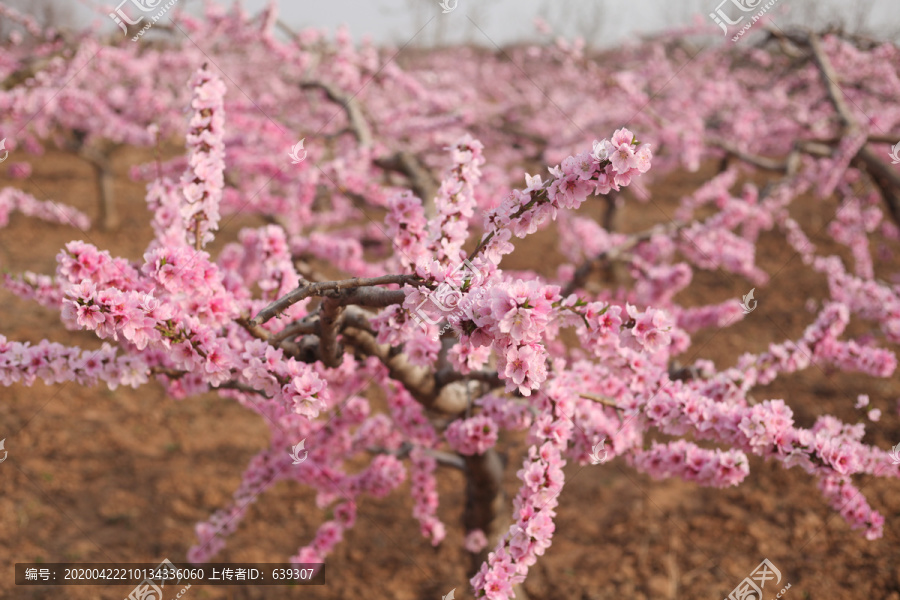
(444,458)
(583,270)
(417,380)
(329,323)
(421,180)
(358,124)
(319,288)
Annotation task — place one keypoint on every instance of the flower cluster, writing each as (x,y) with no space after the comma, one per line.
(533,508)
(688,461)
(473,435)
(12,200)
(203,181)
(613,164)
(425,497)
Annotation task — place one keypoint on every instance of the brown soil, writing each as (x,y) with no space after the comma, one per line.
(100,476)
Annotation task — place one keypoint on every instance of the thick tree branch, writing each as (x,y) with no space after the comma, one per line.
(762,162)
(829,80)
(421,180)
(417,380)
(886,179)
(329,323)
(319,289)
(447,376)
(358,124)
(371,297)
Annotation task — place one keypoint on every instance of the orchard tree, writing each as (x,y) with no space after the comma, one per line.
(415,187)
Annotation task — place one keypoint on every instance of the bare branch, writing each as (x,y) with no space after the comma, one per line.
(886,179)
(358,124)
(422,182)
(372,297)
(762,162)
(319,288)
(417,380)
(601,399)
(242,387)
(447,376)
(829,80)
(444,458)
(329,323)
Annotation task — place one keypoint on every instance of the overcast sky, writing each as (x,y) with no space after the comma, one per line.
(601,22)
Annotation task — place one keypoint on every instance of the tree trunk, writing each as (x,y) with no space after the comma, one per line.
(486,505)
(109,217)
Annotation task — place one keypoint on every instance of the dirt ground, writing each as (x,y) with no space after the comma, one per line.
(100,476)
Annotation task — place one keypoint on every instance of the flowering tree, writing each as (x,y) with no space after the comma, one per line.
(462,348)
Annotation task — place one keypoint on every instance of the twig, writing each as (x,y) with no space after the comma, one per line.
(829,80)
(228,385)
(602,400)
(444,458)
(242,387)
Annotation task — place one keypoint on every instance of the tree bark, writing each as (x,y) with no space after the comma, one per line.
(485,501)
(109,217)
(487,506)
